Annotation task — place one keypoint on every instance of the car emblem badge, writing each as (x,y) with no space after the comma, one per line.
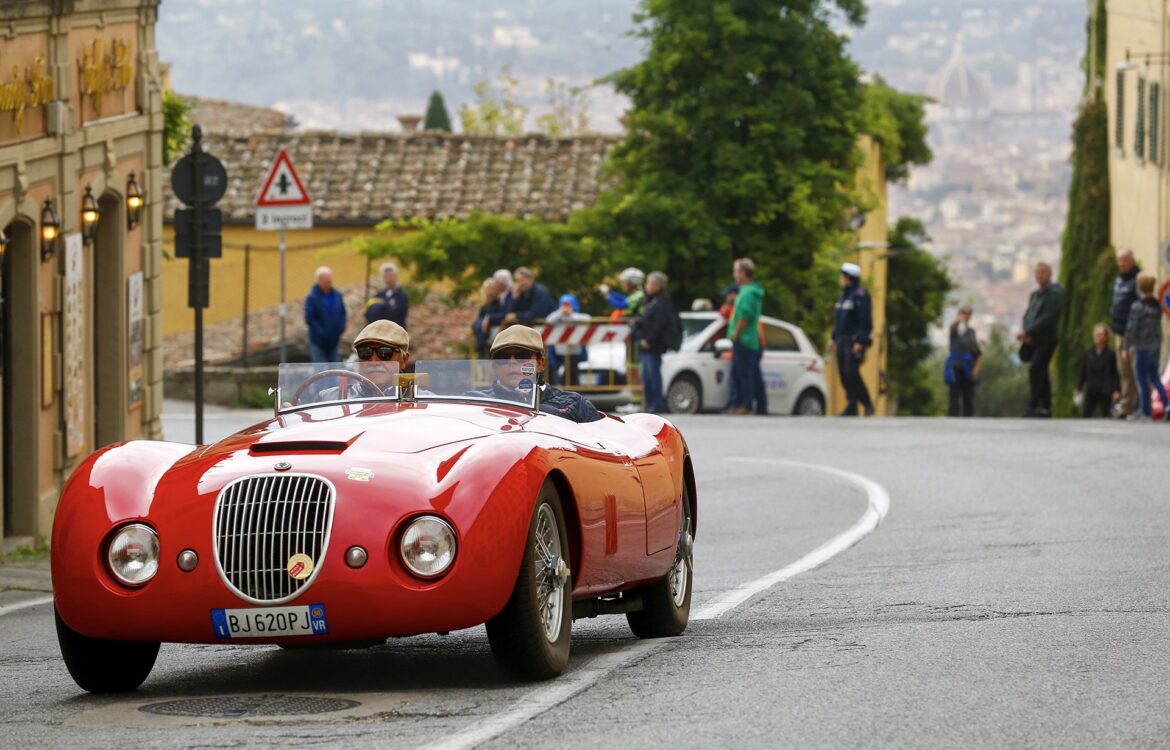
(283,466)
(300,566)
(358,474)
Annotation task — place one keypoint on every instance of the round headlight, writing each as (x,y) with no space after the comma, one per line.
(133,554)
(428,546)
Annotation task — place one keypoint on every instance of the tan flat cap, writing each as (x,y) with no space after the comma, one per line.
(386,331)
(521,337)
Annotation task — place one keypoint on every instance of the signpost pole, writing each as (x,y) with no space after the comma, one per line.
(196,267)
(283,307)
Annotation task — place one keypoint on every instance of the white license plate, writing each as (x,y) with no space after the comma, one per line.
(268,622)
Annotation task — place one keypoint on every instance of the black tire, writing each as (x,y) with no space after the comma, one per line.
(103,666)
(667,602)
(809,404)
(527,643)
(685,395)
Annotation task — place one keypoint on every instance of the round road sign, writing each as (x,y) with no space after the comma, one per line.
(210,172)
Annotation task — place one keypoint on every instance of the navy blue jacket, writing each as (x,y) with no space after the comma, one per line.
(389,305)
(853,319)
(536,303)
(553,401)
(1124,295)
(325,317)
(494,311)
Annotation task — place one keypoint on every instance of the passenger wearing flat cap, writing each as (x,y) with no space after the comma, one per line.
(517,354)
(853,324)
(383,349)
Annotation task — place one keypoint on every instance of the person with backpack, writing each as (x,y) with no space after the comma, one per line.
(656,332)
(747,375)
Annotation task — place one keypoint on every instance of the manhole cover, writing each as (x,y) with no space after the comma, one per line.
(242,706)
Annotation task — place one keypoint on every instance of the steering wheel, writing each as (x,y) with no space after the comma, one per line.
(343,386)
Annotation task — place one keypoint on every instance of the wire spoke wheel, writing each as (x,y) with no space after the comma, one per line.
(667,602)
(549,566)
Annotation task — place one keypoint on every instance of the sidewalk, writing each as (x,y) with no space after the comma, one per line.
(24,580)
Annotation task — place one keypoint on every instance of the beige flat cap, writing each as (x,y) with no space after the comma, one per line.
(386,331)
(521,337)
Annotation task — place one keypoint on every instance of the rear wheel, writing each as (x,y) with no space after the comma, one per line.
(685,395)
(104,666)
(530,637)
(667,602)
(810,404)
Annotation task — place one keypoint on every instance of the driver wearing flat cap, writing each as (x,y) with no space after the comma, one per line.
(514,353)
(383,349)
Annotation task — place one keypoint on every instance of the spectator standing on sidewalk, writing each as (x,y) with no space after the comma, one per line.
(493,293)
(962,367)
(852,330)
(530,300)
(1143,336)
(658,331)
(391,303)
(1098,386)
(569,355)
(1124,295)
(325,317)
(746,352)
(631,300)
(1041,327)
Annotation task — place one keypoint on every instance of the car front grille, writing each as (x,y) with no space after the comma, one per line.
(263,521)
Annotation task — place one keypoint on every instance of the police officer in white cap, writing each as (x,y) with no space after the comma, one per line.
(853,324)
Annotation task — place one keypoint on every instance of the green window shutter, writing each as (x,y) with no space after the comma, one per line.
(1119,113)
(1155,121)
(1139,142)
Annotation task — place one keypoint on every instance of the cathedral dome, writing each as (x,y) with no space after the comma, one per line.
(958,85)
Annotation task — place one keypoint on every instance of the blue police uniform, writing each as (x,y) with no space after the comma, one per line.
(853,324)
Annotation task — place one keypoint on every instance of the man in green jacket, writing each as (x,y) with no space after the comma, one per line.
(747,377)
(1041,326)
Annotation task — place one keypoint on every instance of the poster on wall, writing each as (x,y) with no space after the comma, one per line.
(73,345)
(137,332)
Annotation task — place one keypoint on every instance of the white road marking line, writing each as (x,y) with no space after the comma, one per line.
(879,505)
(536,702)
(8,609)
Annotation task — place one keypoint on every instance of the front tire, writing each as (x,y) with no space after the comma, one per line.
(667,602)
(530,637)
(99,665)
(810,404)
(685,395)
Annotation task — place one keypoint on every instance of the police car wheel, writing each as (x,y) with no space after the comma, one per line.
(810,404)
(685,395)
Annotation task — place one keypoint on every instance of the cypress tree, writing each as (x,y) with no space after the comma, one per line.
(437,117)
(1087,267)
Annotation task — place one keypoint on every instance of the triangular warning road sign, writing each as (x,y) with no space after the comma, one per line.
(283,186)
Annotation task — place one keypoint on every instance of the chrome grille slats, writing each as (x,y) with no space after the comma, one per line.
(260,522)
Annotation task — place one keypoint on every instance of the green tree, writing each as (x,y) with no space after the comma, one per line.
(1087,262)
(742,141)
(176,124)
(1003,381)
(897,121)
(496,110)
(437,117)
(916,291)
(568,113)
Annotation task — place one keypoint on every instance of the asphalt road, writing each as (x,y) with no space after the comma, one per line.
(1014,595)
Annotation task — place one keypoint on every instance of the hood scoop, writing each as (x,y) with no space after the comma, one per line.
(298,446)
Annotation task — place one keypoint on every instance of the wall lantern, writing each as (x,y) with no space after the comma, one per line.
(134,201)
(89,215)
(50,229)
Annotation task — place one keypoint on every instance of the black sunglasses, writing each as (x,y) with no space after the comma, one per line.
(514,354)
(366,352)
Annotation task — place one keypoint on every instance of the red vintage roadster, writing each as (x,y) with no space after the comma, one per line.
(359,513)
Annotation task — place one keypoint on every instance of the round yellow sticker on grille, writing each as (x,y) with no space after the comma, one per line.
(300,566)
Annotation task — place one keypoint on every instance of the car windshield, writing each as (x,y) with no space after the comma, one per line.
(301,384)
(503,381)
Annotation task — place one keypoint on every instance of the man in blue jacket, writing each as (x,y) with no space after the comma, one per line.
(852,328)
(325,317)
(391,303)
(1124,295)
(530,300)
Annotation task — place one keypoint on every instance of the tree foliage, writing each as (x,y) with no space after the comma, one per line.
(497,109)
(1087,265)
(176,124)
(897,121)
(916,292)
(1003,386)
(437,117)
(568,113)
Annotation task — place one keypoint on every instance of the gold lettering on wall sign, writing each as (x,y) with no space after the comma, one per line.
(104,71)
(28,91)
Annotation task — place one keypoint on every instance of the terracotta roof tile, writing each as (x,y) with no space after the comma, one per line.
(363,178)
(219,116)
